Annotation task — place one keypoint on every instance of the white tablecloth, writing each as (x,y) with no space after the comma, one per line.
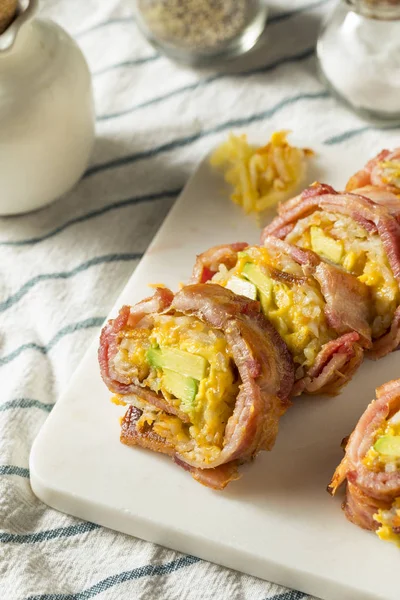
(62,267)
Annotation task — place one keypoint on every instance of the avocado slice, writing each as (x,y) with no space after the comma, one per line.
(179,361)
(325,245)
(262,282)
(388,445)
(183,388)
(242,287)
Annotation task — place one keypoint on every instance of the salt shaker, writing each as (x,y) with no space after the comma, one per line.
(200,31)
(46,110)
(358,52)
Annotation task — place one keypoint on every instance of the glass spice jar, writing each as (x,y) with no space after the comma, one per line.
(198,31)
(358,53)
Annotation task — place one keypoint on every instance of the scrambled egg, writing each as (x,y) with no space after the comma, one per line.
(261,177)
(345,243)
(377,461)
(216,394)
(295,309)
(388,520)
(118,400)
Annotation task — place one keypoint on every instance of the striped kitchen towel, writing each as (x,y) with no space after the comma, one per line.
(62,268)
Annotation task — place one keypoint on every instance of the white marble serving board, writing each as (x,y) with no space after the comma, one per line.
(277,522)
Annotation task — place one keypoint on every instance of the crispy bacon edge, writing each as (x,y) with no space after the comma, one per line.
(208,262)
(217,478)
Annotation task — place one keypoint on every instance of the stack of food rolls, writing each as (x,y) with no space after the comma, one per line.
(319,311)
(358,231)
(207,372)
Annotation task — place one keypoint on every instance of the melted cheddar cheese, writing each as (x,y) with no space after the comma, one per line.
(389,519)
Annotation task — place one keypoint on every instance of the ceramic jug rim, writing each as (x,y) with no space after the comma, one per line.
(8,37)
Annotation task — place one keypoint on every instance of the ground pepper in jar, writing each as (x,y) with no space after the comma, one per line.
(196,25)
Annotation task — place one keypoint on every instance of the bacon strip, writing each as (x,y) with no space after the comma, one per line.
(346,311)
(298,207)
(367,490)
(208,262)
(128,316)
(388,342)
(261,357)
(383,197)
(334,366)
(346,300)
(132,435)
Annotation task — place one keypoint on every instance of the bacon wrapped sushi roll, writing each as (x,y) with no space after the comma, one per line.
(206,376)
(371,466)
(319,311)
(379,179)
(359,236)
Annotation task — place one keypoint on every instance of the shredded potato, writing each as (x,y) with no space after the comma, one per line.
(261,177)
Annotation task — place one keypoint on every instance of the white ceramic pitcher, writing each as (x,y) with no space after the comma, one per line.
(46,113)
